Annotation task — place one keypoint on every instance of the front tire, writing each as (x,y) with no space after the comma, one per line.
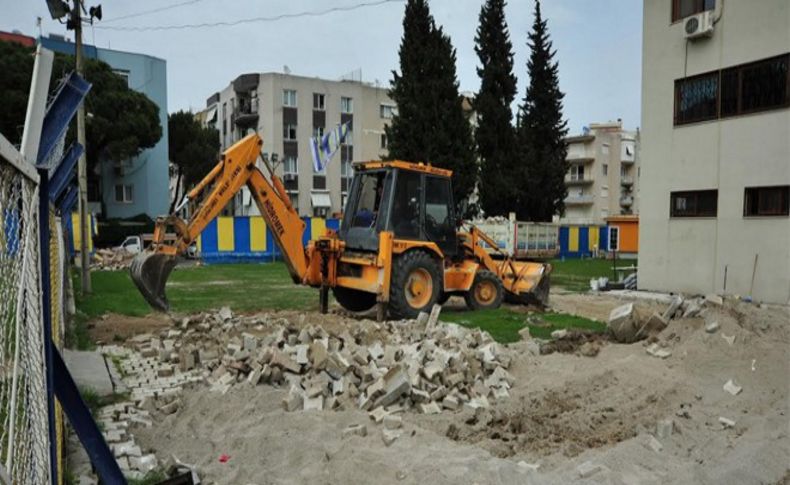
(416,284)
(486,292)
(354,300)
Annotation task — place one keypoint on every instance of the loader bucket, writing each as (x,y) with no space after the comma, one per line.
(533,286)
(150,271)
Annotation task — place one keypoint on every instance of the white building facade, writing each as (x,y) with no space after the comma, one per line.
(287,110)
(715,148)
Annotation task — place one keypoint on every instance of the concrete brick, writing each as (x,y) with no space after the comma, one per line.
(284,362)
(392,421)
(726,422)
(355,430)
(314,403)
(378,414)
(430,408)
(450,402)
(396,384)
(318,354)
(664,428)
(588,469)
(733,388)
(389,436)
(294,400)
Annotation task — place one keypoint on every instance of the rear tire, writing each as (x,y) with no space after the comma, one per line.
(354,300)
(416,284)
(486,292)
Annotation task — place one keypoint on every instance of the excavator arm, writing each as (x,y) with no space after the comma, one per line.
(236,168)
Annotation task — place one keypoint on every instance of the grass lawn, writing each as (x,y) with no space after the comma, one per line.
(504,324)
(242,287)
(575,274)
(257,287)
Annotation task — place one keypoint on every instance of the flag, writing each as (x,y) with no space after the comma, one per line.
(324,148)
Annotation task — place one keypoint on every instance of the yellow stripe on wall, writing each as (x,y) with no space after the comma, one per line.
(573,239)
(593,237)
(75,229)
(199,242)
(257,234)
(317,227)
(225,240)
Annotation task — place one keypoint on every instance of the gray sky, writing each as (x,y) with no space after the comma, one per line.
(598,44)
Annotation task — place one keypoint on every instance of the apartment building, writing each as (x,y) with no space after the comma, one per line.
(603,177)
(138,185)
(287,110)
(716,148)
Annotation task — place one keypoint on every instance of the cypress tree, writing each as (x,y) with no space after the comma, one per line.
(495,135)
(542,131)
(430,125)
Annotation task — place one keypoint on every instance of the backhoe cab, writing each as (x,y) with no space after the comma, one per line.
(399,247)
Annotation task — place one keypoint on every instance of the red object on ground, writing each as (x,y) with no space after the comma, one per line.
(223,458)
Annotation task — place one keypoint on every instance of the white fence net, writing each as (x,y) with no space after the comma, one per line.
(24,439)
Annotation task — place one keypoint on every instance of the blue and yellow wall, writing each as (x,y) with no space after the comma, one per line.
(247,239)
(582,241)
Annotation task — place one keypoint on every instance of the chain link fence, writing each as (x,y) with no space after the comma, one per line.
(24,438)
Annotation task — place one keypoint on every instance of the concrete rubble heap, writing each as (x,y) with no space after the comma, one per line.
(111,259)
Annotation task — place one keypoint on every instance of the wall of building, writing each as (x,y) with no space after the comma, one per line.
(694,254)
(368,126)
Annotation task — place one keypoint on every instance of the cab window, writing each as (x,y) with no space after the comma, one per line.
(406,205)
(438,211)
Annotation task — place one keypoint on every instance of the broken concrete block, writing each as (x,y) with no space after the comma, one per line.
(378,414)
(656,351)
(301,354)
(433,318)
(532,347)
(714,299)
(588,469)
(250,342)
(355,430)
(726,422)
(430,408)
(389,436)
(477,402)
(693,308)
(711,327)
(171,407)
(673,307)
(524,333)
(655,324)
(729,339)
(225,314)
(284,362)
(147,463)
(559,334)
(376,351)
(396,383)
(450,402)
(654,444)
(392,421)
(528,466)
(664,428)
(314,403)
(622,323)
(294,399)
(318,354)
(732,387)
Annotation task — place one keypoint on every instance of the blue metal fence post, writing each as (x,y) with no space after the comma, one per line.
(46,312)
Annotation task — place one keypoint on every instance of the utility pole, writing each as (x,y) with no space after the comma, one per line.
(82,169)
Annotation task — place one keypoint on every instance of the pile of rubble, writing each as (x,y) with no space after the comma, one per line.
(111,259)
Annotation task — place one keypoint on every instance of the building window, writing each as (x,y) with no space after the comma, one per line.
(766,201)
(289,132)
(623,171)
(685,8)
(577,172)
(318,132)
(346,105)
(758,86)
(123,74)
(696,98)
(605,149)
(124,193)
(605,169)
(289,98)
(289,165)
(697,203)
(387,111)
(345,169)
(349,138)
(318,102)
(294,200)
(737,90)
(604,191)
(383,141)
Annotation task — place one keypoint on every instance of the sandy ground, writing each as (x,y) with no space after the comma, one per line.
(565,409)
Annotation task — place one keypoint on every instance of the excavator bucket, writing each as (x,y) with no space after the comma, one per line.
(150,271)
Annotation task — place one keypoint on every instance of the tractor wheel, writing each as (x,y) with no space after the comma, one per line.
(486,292)
(416,285)
(354,300)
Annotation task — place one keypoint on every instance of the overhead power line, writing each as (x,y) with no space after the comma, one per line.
(315,13)
(147,12)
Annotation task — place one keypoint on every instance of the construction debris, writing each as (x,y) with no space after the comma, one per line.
(111,259)
(726,422)
(732,388)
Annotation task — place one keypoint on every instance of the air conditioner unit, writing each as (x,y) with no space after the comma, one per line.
(699,25)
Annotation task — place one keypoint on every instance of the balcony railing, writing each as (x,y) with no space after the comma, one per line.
(578,199)
(626,181)
(626,201)
(578,180)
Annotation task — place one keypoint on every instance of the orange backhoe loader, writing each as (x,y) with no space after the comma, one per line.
(399,247)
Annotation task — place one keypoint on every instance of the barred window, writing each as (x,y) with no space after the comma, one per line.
(696,98)
(695,203)
(686,8)
(766,201)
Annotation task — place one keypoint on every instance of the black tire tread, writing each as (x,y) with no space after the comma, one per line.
(398,305)
(484,275)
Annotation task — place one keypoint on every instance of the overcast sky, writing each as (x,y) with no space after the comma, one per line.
(598,44)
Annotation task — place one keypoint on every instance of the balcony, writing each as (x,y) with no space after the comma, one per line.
(576,180)
(626,181)
(626,201)
(247,113)
(578,199)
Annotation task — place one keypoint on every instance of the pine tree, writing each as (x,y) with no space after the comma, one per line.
(495,135)
(541,132)
(430,125)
